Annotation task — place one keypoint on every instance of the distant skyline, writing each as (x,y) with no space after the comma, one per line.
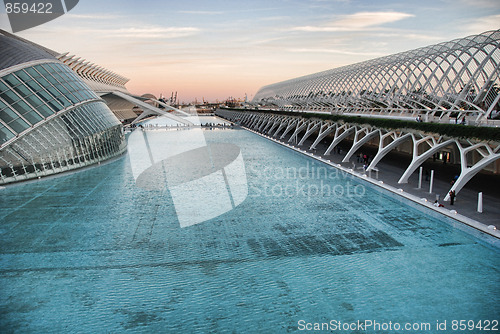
(215,49)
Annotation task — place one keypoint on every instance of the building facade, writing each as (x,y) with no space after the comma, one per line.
(50,120)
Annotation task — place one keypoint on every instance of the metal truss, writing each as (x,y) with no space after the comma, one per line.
(424,145)
(459,78)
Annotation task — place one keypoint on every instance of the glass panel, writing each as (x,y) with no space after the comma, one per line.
(21,107)
(59,77)
(5,134)
(43,82)
(74,85)
(23,76)
(3,87)
(62,89)
(8,115)
(42,70)
(72,98)
(18,125)
(54,104)
(44,110)
(22,90)
(51,79)
(33,73)
(12,80)
(69,95)
(63,101)
(33,100)
(34,86)
(78,96)
(26,111)
(78,79)
(52,91)
(86,95)
(32,117)
(59,67)
(9,97)
(68,85)
(49,68)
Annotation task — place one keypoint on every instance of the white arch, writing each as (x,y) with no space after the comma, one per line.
(417,160)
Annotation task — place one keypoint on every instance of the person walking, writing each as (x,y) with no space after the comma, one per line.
(452,197)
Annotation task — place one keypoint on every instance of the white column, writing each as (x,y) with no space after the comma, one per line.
(432,181)
(480,202)
(420,178)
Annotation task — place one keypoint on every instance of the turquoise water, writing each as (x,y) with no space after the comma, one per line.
(93,253)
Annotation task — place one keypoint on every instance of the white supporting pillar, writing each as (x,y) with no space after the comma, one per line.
(301,125)
(340,134)
(290,126)
(273,126)
(395,140)
(284,123)
(480,202)
(358,142)
(432,181)
(311,128)
(433,146)
(420,178)
(489,156)
(263,124)
(324,131)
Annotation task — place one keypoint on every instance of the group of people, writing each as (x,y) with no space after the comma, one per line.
(452,199)
(365,159)
(210,125)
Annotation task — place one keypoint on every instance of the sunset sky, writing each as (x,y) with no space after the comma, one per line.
(214,49)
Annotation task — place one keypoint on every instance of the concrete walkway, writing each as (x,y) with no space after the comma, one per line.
(393,166)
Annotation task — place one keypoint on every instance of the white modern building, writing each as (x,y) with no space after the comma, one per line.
(455,79)
(50,120)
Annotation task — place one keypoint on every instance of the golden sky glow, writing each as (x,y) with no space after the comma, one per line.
(216,49)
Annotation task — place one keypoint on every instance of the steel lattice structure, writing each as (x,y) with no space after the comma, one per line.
(460,77)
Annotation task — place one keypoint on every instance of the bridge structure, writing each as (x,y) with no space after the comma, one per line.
(473,155)
(450,81)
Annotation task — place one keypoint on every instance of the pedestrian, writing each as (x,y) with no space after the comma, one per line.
(452,197)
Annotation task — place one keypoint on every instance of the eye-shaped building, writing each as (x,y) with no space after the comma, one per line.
(50,120)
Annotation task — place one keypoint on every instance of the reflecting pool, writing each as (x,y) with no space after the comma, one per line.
(95,252)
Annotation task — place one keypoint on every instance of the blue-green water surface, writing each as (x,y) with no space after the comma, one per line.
(91,252)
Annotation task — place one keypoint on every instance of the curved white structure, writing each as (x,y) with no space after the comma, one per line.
(424,144)
(50,120)
(459,78)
